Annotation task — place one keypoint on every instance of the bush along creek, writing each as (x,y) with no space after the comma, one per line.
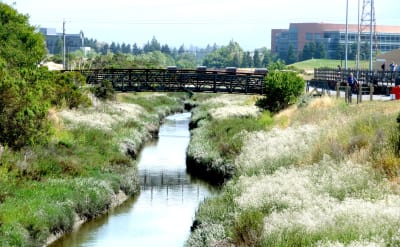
(87,166)
(317,173)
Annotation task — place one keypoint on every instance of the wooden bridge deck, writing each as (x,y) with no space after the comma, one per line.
(170,79)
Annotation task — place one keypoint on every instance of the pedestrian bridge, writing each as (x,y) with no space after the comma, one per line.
(230,80)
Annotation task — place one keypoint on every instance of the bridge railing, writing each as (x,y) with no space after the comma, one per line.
(386,78)
(172,79)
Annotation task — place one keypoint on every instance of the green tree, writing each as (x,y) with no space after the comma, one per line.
(165,49)
(135,49)
(339,52)
(20,45)
(352,51)
(26,91)
(58,47)
(267,58)
(292,55)
(181,49)
(256,59)
(225,56)
(282,89)
(320,51)
(105,49)
(23,113)
(308,51)
(186,61)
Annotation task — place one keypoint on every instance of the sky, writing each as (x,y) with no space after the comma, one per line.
(193,23)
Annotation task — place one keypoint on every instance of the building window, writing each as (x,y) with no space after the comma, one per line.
(309,36)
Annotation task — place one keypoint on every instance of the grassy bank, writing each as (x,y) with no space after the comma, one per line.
(219,123)
(90,160)
(325,174)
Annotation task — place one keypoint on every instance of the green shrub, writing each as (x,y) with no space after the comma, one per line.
(248,228)
(282,89)
(23,113)
(105,90)
(68,90)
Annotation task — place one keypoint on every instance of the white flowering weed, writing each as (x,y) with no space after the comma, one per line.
(304,199)
(234,111)
(229,99)
(104,115)
(264,147)
(206,235)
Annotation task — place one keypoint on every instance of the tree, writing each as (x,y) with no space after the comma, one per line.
(23,113)
(320,50)
(225,56)
(292,56)
(256,59)
(308,51)
(20,45)
(26,91)
(165,49)
(125,48)
(282,89)
(339,52)
(181,49)
(352,52)
(58,47)
(186,61)
(154,45)
(105,49)
(267,58)
(135,49)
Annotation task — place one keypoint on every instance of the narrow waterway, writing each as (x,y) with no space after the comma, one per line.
(161,215)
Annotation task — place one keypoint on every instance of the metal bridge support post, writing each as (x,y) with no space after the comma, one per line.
(247,84)
(215,83)
(348,95)
(371,92)
(338,90)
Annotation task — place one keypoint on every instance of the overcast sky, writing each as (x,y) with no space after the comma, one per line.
(188,22)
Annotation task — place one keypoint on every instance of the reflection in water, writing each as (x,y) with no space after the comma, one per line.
(161,215)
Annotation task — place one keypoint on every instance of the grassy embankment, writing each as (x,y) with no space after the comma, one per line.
(88,166)
(324,174)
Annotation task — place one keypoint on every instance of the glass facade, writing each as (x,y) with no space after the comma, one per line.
(334,41)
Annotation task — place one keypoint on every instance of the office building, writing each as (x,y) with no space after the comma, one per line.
(333,38)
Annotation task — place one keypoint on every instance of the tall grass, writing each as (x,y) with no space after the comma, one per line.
(221,123)
(90,159)
(327,177)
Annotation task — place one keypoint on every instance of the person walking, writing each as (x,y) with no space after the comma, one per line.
(353,83)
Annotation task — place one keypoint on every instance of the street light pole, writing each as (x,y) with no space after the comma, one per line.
(64,49)
(372,32)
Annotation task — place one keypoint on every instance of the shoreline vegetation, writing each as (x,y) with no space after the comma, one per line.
(87,168)
(320,173)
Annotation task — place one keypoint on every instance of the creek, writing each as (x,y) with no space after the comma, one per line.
(163,212)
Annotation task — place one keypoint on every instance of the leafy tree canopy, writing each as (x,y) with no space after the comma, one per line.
(20,45)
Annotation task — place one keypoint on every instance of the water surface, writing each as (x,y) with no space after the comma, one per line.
(161,215)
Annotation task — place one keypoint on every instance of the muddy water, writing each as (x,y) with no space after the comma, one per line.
(161,215)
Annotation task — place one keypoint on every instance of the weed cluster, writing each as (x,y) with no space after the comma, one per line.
(44,189)
(325,179)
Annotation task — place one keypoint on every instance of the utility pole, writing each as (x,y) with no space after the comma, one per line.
(347,35)
(368,23)
(358,39)
(64,48)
